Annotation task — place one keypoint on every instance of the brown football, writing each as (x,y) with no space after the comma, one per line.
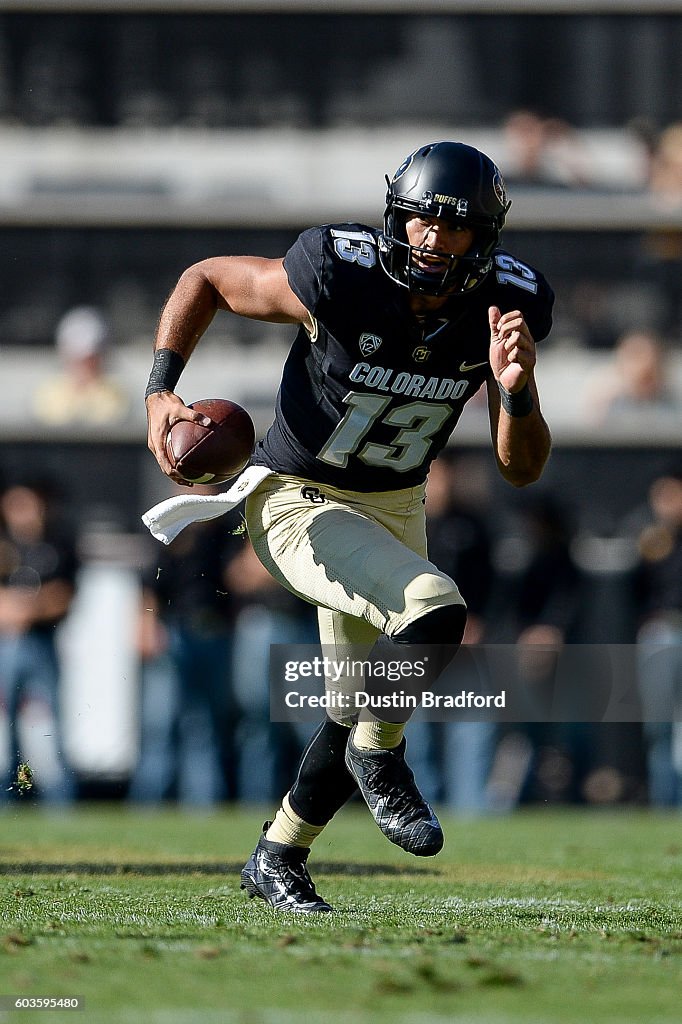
(212,455)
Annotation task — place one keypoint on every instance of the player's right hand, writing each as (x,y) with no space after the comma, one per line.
(164,408)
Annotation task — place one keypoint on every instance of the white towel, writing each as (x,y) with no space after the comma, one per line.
(167,519)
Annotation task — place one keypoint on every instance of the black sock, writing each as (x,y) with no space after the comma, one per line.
(323,784)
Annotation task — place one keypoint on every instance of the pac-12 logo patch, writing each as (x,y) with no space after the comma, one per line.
(369,343)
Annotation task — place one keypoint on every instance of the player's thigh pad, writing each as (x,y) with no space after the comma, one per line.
(360,554)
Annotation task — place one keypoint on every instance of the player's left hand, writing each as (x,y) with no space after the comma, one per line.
(164,409)
(512,349)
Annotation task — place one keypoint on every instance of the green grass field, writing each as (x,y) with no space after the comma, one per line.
(543,916)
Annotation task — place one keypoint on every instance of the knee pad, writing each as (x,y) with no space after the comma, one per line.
(436,634)
(426,594)
(442,625)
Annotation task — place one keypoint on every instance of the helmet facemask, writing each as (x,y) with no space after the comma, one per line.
(459,274)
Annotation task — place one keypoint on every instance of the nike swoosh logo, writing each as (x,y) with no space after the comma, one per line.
(465,367)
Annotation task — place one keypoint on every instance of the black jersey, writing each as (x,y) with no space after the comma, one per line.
(373,397)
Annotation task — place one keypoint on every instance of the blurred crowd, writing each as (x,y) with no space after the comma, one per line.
(205,617)
(207,613)
(607,281)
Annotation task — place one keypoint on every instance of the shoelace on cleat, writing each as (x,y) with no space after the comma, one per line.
(402,789)
(285,868)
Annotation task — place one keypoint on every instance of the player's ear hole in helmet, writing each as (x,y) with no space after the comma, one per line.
(456,182)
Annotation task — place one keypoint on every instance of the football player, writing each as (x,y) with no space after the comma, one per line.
(397,330)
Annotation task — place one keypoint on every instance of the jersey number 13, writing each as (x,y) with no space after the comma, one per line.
(417,423)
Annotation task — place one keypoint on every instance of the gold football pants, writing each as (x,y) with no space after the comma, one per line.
(359,557)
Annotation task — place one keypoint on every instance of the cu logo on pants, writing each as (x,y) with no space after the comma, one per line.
(313,494)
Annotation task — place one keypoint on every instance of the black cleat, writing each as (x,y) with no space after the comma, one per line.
(389,790)
(276,873)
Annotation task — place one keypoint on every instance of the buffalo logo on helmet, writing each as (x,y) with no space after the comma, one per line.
(404,165)
(499,187)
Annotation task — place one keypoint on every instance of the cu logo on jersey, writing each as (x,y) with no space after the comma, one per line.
(369,343)
(313,494)
(421,354)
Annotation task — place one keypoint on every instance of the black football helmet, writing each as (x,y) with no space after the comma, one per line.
(454,181)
